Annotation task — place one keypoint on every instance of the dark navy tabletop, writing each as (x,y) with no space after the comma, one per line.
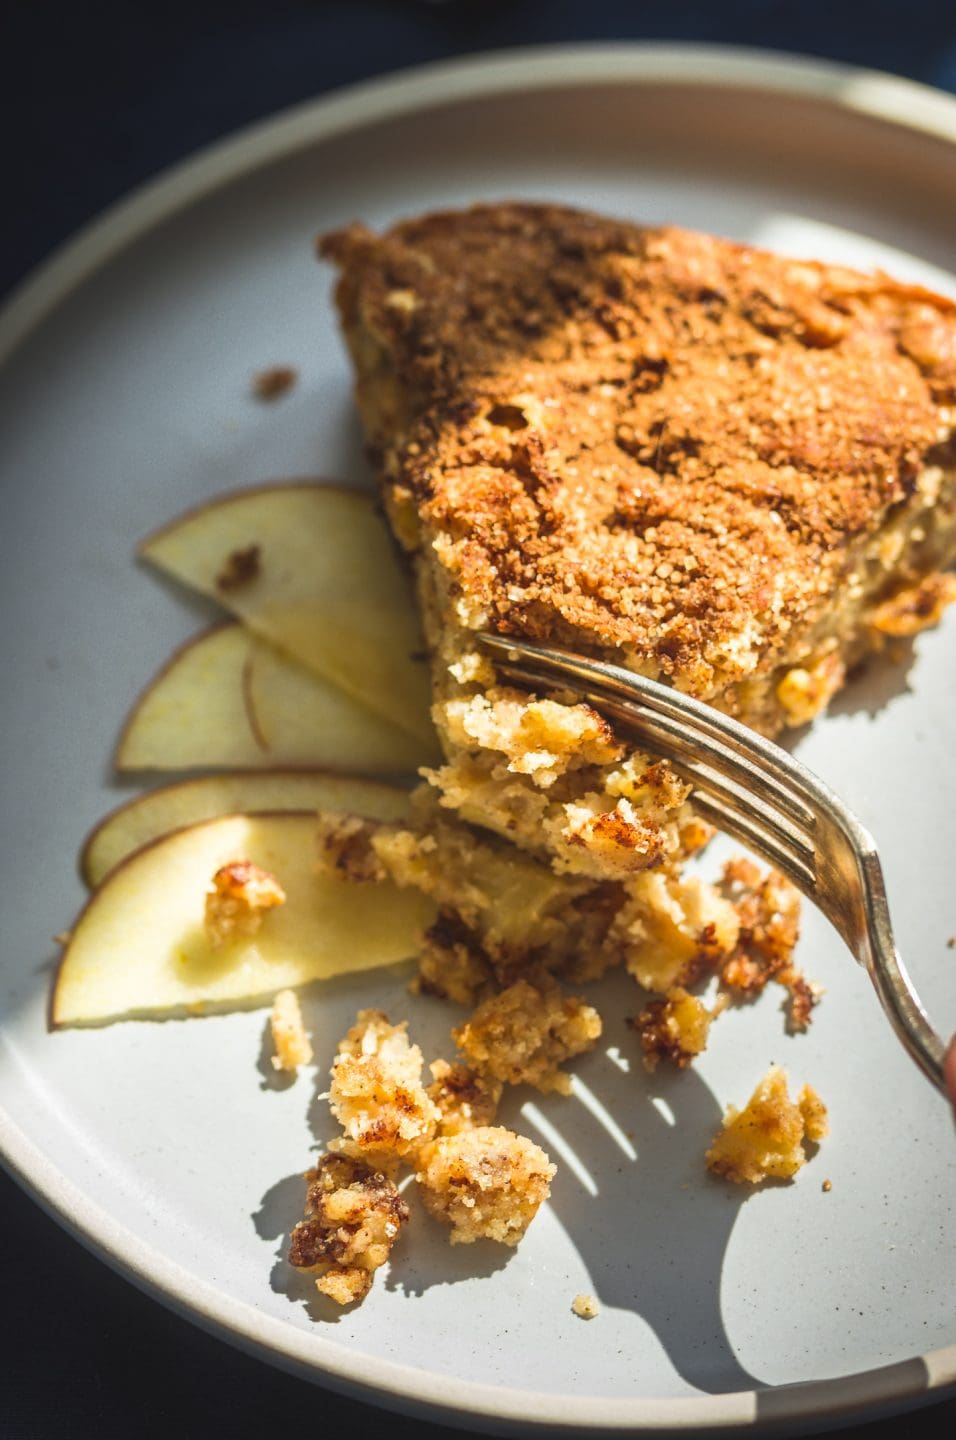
(99,97)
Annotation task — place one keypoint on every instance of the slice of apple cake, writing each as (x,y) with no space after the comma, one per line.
(723,469)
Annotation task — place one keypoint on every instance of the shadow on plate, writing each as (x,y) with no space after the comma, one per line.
(876,681)
(425,1258)
(650,1226)
(279,1210)
(654,1232)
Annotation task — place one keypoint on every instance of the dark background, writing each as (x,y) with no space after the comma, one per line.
(99,97)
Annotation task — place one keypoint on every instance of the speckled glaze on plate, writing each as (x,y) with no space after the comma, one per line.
(167,1148)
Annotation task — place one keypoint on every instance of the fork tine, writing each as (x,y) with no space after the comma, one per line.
(733,782)
(534,664)
(728,797)
(750,832)
(762,796)
(680,741)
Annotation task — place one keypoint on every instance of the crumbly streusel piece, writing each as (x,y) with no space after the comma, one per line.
(552,777)
(523,1034)
(768,908)
(292,1045)
(672,928)
(345,846)
(486,1183)
(465,1099)
(452,964)
(353,1218)
(674,1028)
(585,1307)
(377,1094)
(765,1140)
(241,895)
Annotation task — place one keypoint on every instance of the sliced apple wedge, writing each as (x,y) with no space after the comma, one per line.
(292,708)
(193,712)
(171,807)
(311,567)
(139,948)
(198,712)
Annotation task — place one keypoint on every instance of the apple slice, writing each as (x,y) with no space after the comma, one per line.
(312,568)
(139,948)
(171,807)
(198,712)
(193,712)
(292,707)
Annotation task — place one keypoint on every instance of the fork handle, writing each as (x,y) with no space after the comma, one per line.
(892,983)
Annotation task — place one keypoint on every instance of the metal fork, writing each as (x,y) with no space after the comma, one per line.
(756,792)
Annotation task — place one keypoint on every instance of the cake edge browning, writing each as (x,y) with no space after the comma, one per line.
(456,412)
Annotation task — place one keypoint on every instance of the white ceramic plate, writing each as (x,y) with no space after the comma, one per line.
(162,1145)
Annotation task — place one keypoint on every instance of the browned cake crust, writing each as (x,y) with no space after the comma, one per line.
(702,458)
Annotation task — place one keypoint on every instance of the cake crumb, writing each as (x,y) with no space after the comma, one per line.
(827,1186)
(764,1141)
(585,1306)
(241,568)
(523,1034)
(236,905)
(353,1215)
(464,1099)
(674,1028)
(487,1183)
(289,1038)
(768,909)
(277,380)
(377,1094)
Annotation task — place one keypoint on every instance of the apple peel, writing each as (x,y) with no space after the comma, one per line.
(149,817)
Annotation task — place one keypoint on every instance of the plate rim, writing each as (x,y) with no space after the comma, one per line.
(905,104)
